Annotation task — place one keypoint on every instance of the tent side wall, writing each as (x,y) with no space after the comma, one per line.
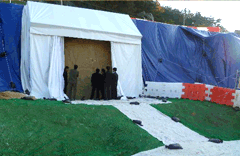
(128,60)
(10,33)
(25,50)
(47,66)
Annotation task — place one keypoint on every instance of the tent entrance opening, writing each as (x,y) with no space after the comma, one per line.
(88,55)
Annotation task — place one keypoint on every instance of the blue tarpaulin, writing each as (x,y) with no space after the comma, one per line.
(179,54)
(10,42)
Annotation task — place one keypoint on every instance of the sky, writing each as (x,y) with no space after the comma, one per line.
(228,11)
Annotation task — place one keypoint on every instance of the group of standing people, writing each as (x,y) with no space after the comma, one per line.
(104,82)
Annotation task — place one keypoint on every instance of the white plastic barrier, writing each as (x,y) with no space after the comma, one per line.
(236,100)
(162,89)
(208,92)
(174,90)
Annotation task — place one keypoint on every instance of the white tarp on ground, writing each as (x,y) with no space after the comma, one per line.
(45,25)
(154,122)
(166,130)
(192,148)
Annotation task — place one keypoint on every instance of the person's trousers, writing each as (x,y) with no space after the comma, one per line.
(108,94)
(103,92)
(72,90)
(65,88)
(93,92)
(114,91)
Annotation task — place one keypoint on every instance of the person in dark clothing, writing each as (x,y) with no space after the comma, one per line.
(102,83)
(65,76)
(107,84)
(114,83)
(96,83)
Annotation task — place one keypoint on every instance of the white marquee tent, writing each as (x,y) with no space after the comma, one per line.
(44,27)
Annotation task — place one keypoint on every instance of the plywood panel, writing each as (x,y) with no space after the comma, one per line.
(88,55)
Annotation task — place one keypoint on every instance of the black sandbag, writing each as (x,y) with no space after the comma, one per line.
(138,122)
(119,98)
(159,98)
(128,97)
(3,54)
(236,108)
(12,85)
(66,101)
(216,140)
(174,146)
(51,99)
(134,103)
(175,119)
(164,100)
(27,92)
(28,98)
(149,96)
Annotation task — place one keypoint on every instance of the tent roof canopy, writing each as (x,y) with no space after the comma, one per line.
(50,19)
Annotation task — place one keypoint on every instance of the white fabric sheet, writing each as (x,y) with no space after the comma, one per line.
(128,61)
(47,65)
(55,78)
(25,50)
(49,19)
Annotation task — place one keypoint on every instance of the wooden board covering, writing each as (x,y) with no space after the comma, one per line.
(88,55)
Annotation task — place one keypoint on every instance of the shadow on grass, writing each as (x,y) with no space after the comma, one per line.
(208,119)
(52,128)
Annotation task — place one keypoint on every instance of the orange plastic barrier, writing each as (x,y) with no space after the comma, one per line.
(194,91)
(185,91)
(222,95)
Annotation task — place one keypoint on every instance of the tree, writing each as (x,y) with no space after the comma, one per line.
(148,10)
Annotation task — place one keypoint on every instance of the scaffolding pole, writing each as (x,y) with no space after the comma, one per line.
(236,81)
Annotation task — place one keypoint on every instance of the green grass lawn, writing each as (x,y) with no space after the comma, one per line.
(52,128)
(208,119)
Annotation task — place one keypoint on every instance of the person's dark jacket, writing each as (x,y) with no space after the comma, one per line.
(103,78)
(115,78)
(96,79)
(108,78)
(65,76)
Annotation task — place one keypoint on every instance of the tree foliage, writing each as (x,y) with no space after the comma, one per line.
(147,10)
